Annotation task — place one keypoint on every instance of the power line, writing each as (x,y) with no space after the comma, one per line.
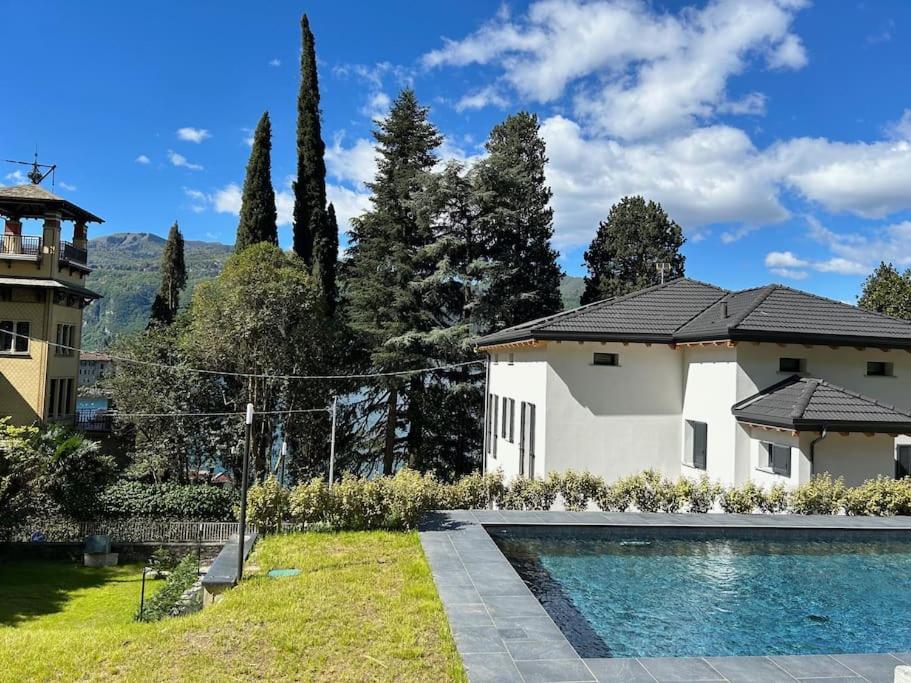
(252,375)
(234,414)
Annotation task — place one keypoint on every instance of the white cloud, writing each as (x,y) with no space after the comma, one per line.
(275,62)
(16,176)
(858,253)
(196,135)
(638,71)
(355,164)
(901,129)
(377,105)
(784,259)
(227,199)
(488,96)
(180,161)
(143,159)
(67,186)
(348,204)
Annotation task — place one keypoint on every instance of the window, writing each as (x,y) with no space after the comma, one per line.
(14,336)
(903,462)
(792,364)
(878,368)
(696,443)
(512,420)
(512,358)
(493,424)
(65,340)
(606,359)
(522,417)
(527,438)
(777,458)
(504,409)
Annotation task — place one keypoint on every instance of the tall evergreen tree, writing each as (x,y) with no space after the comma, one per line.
(257,209)
(384,307)
(310,185)
(522,281)
(623,257)
(887,291)
(325,261)
(173,279)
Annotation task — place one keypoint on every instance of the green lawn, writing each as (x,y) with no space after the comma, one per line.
(363,608)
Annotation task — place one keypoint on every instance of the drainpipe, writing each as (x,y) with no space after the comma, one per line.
(822,435)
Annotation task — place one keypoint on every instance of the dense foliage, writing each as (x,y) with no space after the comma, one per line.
(167,601)
(257,219)
(887,291)
(173,279)
(128,499)
(622,257)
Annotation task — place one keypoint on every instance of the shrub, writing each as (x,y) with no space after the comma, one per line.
(530,494)
(168,501)
(741,499)
(820,496)
(357,504)
(881,497)
(577,488)
(168,599)
(311,503)
(700,495)
(162,560)
(473,491)
(408,496)
(650,491)
(774,500)
(616,497)
(267,504)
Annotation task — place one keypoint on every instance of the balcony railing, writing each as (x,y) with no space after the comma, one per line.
(93,421)
(73,254)
(20,245)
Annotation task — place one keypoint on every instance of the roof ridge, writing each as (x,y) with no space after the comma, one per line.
(791,379)
(740,317)
(843,303)
(801,406)
(857,394)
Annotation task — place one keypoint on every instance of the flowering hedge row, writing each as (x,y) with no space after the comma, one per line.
(400,502)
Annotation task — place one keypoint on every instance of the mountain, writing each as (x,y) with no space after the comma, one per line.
(571,291)
(125,271)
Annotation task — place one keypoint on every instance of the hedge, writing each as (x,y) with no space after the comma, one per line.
(399,502)
(189,502)
(168,601)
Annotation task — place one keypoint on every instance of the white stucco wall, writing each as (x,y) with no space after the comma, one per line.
(523,380)
(709,385)
(613,421)
(760,474)
(855,457)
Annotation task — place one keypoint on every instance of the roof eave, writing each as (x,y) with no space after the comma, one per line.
(810,425)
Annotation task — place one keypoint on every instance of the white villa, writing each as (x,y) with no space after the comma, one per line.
(769,384)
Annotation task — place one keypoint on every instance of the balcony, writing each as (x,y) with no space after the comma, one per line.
(20,246)
(93,421)
(73,254)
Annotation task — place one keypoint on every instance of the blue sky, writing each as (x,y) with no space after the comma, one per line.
(775,131)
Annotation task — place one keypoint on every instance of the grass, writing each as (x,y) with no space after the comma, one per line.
(363,608)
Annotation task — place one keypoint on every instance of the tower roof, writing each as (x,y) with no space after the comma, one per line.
(33,201)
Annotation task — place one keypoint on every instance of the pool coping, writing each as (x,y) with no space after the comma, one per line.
(503,634)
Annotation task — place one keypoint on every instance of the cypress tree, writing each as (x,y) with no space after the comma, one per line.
(622,258)
(173,279)
(522,280)
(384,307)
(325,261)
(257,209)
(310,185)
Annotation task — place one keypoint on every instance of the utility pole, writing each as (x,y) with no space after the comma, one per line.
(242,527)
(332,443)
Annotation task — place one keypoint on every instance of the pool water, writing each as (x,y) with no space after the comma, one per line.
(666,596)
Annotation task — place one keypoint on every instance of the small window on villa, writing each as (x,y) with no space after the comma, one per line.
(606,359)
(792,364)
(878,368)
(696,444)
(512,358)
(903,462)
(14,336)
(777,458)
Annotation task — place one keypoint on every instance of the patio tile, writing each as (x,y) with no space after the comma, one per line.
(488,516)
(608,670)
(535,628)
(511,586)
(468,615)
(680,669)
(812,666)
(479,639)
(514,633)
(748,669)
(514,606)
(459,595)
(452,577)
(904,656)
(554,670)
(876,668)
(538,649)
(491,668)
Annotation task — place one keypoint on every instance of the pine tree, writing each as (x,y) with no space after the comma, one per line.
(325,261)
(257,209)
(383,306)
(173,279)
(522,281)
(310,185)
(887,291)
(622,258)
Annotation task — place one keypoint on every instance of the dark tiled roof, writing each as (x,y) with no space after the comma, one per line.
(804,402)
(687,310)
(29,200)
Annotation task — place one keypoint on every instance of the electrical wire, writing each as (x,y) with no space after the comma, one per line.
(116,414)
(251,375)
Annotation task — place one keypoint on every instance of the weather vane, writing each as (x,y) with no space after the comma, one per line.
(36,175)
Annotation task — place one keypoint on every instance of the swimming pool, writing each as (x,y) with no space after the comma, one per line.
(687,593)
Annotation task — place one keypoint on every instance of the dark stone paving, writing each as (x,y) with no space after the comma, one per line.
(504,634)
